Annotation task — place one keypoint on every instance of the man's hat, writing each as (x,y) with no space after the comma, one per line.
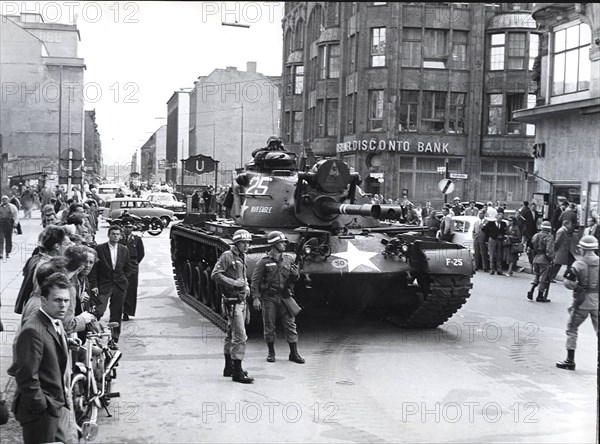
(546,225)
(127,221)
(457,198)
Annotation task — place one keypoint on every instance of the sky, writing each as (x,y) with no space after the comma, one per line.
(138,53)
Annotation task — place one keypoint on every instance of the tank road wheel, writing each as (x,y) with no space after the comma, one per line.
(155,226)
(207,293)
(199,282)
(166,220)
(212,294)
(188,277)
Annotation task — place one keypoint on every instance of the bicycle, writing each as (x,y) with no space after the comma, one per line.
(92,379)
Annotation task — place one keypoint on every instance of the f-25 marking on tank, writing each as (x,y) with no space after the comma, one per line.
(350,253)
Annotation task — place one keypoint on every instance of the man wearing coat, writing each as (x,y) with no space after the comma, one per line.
(42,368)
(496,230)
(480,239)
(109,277)
(563,251)
(135,245)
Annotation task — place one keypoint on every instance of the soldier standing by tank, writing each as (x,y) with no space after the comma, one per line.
(271,283)
(582,278)
(230,274)
(135,245)
(543,251)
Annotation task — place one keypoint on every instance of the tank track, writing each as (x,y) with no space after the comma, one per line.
(447,294)
(201,237)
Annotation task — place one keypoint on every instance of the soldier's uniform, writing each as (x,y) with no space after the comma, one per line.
(272,281)
(543,250)
(135,245)
(583,280)
(230,267)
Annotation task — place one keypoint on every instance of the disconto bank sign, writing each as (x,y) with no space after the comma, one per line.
(402,146)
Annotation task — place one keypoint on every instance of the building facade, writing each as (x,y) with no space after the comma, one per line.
(92,148)
(178,120)
(232,113)
(42,93)
(153,158)
(400,90)
(567,112)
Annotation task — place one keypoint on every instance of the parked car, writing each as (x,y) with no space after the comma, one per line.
(137,206)
(168,201)
(463,230)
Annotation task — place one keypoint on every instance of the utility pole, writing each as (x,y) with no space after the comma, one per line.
(242,139)
(447,177)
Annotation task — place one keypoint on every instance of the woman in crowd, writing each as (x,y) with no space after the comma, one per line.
(512,245)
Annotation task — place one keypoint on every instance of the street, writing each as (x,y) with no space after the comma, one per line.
(487,375)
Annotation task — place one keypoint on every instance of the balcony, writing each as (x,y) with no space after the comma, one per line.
(553,11)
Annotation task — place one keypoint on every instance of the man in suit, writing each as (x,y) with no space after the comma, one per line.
(480,240)
(496,230)
(135,245)
(42,368)
(109,277)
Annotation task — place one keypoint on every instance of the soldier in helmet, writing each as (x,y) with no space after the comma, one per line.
(543,251)
(272,281)
(230,274)
(582,278)
(273,144)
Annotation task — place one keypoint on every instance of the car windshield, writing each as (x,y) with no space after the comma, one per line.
(162,198)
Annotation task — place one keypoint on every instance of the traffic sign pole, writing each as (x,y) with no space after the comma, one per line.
(447,177)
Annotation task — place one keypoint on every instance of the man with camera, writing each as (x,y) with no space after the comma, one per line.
(230,274)
(582,278)
(271,283)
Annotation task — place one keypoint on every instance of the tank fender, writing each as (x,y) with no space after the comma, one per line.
(449,261)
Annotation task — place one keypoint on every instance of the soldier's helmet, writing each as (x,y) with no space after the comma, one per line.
(276,236)
(588,243)
(546,225)
(274,140)
(241,235)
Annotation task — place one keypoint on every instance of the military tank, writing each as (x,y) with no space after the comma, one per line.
(351,254)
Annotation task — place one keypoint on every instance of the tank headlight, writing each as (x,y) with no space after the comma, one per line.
(405,248)
(307,250)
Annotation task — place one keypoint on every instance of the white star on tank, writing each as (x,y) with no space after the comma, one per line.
(356,258)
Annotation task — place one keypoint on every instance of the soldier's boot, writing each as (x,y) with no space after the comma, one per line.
(569,363)
(294,356)
(228,370)
(541,297)
(239,375)
(271,355)
(530,292)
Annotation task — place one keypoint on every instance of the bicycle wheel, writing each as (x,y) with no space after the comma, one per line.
(81,404)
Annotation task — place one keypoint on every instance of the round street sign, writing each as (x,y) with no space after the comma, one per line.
(75,159)
(446,186)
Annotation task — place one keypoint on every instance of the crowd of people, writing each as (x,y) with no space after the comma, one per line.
(69,282)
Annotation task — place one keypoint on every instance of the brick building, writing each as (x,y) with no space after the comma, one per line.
(399,89)
(567,113)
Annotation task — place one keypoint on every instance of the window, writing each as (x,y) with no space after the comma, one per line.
(298,127)
(320,118)
(529,128)
(411,47)
(287,42)
(299,37)
(433,117)
(351,113)
(516,50)
(459,50)
(456,119)
(571,60)
(289,80)
(352,51)
(332,117)
(334,62)
(409,106)
(375,110)
(314,23)
(435,44)
(329,62)
(333,14)
(534,42)
(286,126)
(513,103)
(379,3)
(495,114)
(298,79)
(497,52)
(377,47)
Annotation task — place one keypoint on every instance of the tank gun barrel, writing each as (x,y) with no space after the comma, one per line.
(367,210)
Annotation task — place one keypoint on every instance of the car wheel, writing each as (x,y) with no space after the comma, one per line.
(165,220)
(155,226)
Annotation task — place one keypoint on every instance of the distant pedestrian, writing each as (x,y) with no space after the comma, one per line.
(446,225)
(208,198)
(135,245)
(228,203)
(480,239)
(562,248)
(511,251)
(17,203)
(9,219)
(471,210)
(592,228)
(457,207)
(490,211)
(496,230)
(432,223)
(583,280)
(195,201)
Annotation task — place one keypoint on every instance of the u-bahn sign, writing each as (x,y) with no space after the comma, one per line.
(200,164)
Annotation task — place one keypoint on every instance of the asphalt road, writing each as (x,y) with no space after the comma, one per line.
(487,375)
